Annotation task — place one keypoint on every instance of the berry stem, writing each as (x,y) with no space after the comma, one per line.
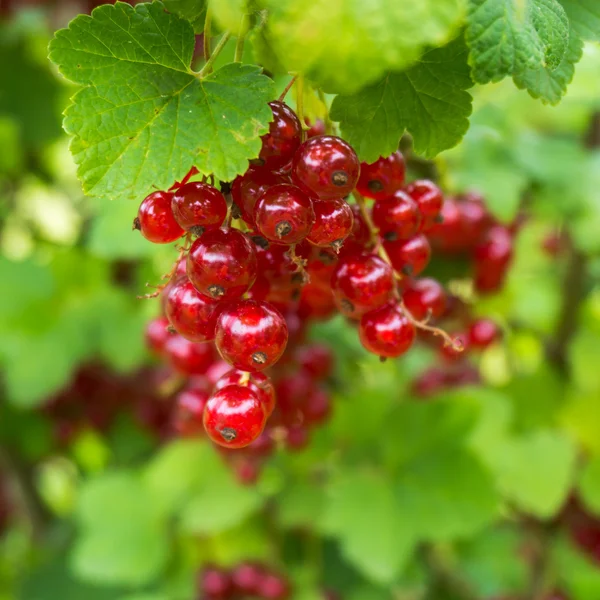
(207,68)
(288,87)
(300,105)
(245,378)
(193,171)
(207,34)
(329,127)
(456,344)
(299,262)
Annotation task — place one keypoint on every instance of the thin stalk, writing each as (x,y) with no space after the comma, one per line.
(287,88)
(207,34)
(327,119)
(207,68)
(300,104)
(239,44)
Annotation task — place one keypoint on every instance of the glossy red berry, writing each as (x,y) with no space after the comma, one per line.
(425,297)
(475,219)
(251,335)
(386,331)
(316,359)
(447,235)
(192,314)
(325,167)
(189,411)
(246,578)
(249,187)
(157,334)
(215,584)
(222,264)
(189,358)
(292,390)
(397,217)
(411,256)
(429,199)
(496,250)
(284,214)
(198,207)
(334,221)
(274,587)
(458,349)
(382,178)
(155,219)
(488,279)
(360,283)
(283,139)
(234,416)
(259,383)
(316,301)
(483,333)
(317,128)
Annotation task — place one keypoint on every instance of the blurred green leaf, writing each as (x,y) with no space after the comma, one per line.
(589,485)
(300,504)
(581,418)
(585,18)
(578,575)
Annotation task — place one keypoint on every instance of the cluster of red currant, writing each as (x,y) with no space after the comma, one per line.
(282,245)
(466,227)
(244,580)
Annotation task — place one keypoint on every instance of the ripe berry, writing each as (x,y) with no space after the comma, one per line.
(325,167)
(496,250)
(247,470)
(249,187)
(425,297)
(429,199)
(292,391)
(259,383)
(475,220)
(192,314)
(397,217)
(411,256)
(318,128)
(215,584)
(382,178)
(189,358)
(483,333)
(251,335)
(189,411)
(297,438)
(157,334)
(386,331)
(198,206)
(487,279)
(448,234)
(246,578)
(361,282)
(155,219)
(316,301)
(222,264)
(316,359)
(452,353)
(273,587)
(333,223)
(283,139)
(317,407)
(234,416)
(284,214)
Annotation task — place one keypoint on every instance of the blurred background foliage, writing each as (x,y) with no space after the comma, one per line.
(461,496)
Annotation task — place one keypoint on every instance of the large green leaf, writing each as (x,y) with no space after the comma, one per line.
(144,117)
(345,44)
(192,10)
(509,37)
(585,18)
(429,100)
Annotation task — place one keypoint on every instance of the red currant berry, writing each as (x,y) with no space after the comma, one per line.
(447,235)
(198,207)
(411,256)
(318,128)
(217,370)
(273,587)
(215,584)
(192,314)
(234,416)
(386,331)
(361,233)
(317,407)
(222,264)
(189,411)
(259,383)
(292,391)
(249,187)
(397,217)
(360,283)
(283,139)
(483,333)
(382,178)
(316,301)
(325,167)
(246,578)
(334,221)
(157,334)
(251,335)
(429,199)
(429,383)
(189,358)
(488,279)
(297,438)
(496,250)
(458,349)
(316,359)
(247,470)
(425,298)
(155,219)
(475,220)
(284,214)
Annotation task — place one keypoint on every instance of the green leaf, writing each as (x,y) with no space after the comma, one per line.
(300,504)
(550,85)
(123,535)
(229,14)
(581,418)
(510,37)
(535,471)
(362,513)
(144,118)
(369,38)
(192,10)
(579,574)
(429,100)
(589,485)
(585,18)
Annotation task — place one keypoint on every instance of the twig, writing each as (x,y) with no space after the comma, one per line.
(288,87)
(207,68)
